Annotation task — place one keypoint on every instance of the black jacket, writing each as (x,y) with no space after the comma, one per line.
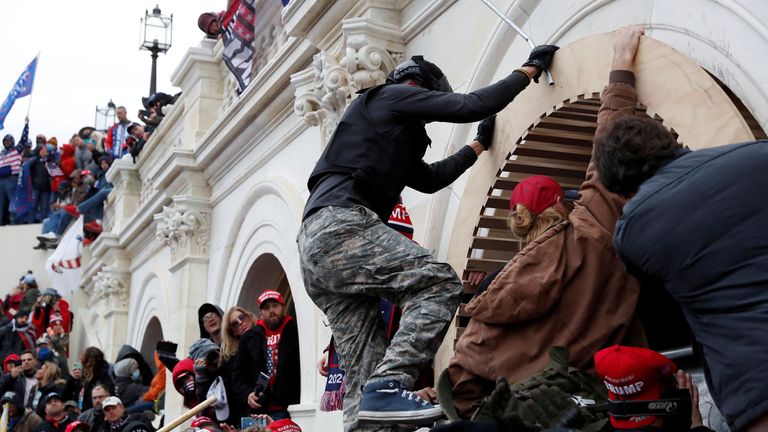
(698,228)
(48,426)
(134,423)
(252,359)
(42,392)
(127,351)
(38,170)
(11,342)
(101,375)
(379,144)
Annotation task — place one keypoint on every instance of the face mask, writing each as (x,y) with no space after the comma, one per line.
(49,147)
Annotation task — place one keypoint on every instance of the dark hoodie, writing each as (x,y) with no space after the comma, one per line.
(204,309)
(127,351)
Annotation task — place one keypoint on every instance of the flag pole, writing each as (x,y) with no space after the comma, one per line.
(32,87)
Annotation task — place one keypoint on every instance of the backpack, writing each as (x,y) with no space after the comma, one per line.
(545,399)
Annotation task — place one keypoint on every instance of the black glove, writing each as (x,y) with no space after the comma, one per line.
(485,131)
(541,57)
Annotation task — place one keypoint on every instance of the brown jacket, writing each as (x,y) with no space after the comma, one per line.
(567,288)
(28,422)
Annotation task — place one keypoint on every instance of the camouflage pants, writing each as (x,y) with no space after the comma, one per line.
(350,259)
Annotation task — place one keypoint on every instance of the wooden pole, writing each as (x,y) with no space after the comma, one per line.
(189,414)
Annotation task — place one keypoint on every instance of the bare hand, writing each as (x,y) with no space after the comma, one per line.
(26,119)
(16,371)
(263,416)
(477,147)
(253,401)
(428,394)
(625,47)
(227,428)
(475,277)
(684,381)
(322,366)
(201,362)
(76,373)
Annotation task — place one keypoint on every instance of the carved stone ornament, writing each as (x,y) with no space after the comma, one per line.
(324,91)
(185,231)
(110,287)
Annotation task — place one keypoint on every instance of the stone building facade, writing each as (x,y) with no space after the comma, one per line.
(210,211)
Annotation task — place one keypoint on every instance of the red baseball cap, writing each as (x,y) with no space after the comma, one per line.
(271,295)
(284,425)
(632,373)
(536,193)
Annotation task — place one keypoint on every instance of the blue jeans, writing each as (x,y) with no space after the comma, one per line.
(7,188)
(51,223)
(93,207)
(42,204)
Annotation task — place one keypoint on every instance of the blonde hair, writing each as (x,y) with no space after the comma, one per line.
(527,227)
(52,374)
(230,343)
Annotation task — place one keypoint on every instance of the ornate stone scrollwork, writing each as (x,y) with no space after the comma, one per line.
(324,91)
(112,288)
(185,231)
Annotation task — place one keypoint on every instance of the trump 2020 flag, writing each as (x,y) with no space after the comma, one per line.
(64,266)
(239,23)
(23,87)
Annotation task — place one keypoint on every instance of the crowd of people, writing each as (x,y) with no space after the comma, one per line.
(554,341)
(251,365)
(52,184)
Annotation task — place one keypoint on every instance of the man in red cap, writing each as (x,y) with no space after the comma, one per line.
(266,371)
(641,385)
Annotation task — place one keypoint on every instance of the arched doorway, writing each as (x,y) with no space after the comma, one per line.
(152,335)
(559,145)
(266,273)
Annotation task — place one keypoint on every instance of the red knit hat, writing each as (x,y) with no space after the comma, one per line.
(10,358)
(632,374)
(536,193)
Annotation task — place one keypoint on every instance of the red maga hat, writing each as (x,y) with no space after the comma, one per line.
(632,373)
(536,193)
(271,295)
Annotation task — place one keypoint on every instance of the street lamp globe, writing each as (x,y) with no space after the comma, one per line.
(105,116)
(156,37)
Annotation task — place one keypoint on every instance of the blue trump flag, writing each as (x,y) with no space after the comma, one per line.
(23,87)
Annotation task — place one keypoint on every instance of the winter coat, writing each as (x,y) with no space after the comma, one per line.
(74,387)
(128,391)
(38,170)
(252,360)
(42,392)
(697,227)
(95,418)
(67,165)
(566,288)
(134,423)
(157,385)
(41,316)
(127,351)
(12,342)
(49,426)
(84,159)
(28,422)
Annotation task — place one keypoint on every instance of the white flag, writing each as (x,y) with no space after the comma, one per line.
(64,266)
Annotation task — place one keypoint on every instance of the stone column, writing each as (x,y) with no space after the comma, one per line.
(185,228)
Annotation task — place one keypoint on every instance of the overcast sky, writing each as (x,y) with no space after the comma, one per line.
(89,53)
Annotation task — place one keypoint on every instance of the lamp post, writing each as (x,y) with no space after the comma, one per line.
(157,32)
(105,116)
